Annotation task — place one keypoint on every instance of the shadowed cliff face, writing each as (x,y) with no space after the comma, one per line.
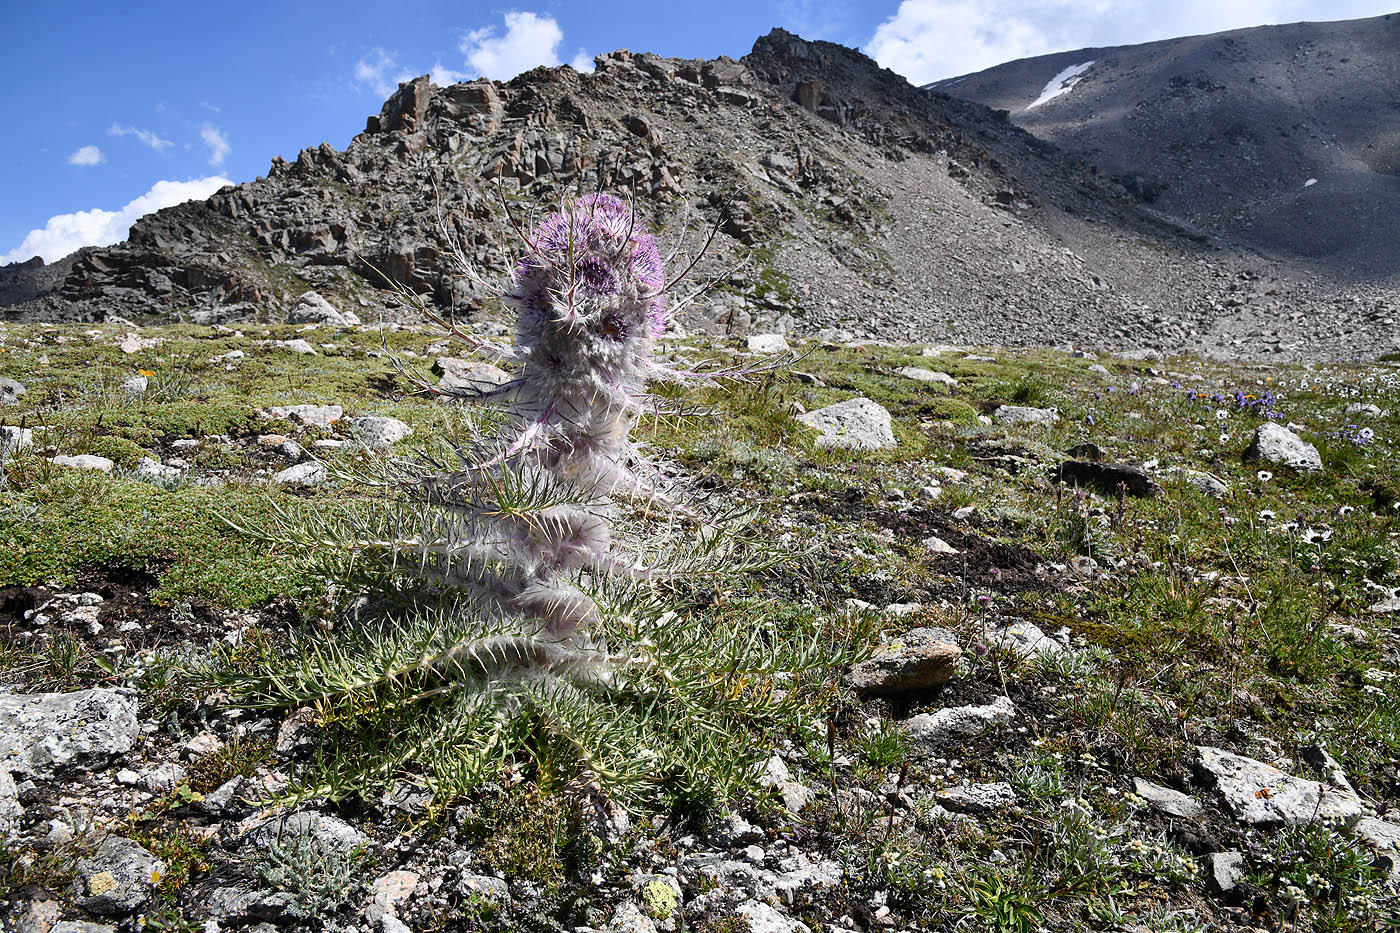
(846,199)
(1282,138)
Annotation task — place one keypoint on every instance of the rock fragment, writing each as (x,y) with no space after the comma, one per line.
(855,424)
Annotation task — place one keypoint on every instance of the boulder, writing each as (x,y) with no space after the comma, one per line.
(855,424)
(1262,795)
(918,659)
(116,879)
(42,733)
(768,343)
(1273,443)
(302,475)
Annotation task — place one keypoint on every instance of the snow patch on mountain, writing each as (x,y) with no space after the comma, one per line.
(1061,83)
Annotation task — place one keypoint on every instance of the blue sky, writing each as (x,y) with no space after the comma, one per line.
(115,109)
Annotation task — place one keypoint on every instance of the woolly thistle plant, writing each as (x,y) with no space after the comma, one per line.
(525,575)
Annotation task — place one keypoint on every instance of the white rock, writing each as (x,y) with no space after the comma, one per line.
(795,794)
(1263,795)
(976,798)
(1383,838)
(135,343)
(764,918)
(310,473)
(1025,639)
(135,384)
(1273,443)
(149,470)
(1019,414)
(326,829)
(933,732)
(768,343)
(311,308)
(14,439)
(937,545)
(299,345)
(468,376)
(44,732)
(927,375)
(319,416)
(375,431)
(1171,802)
(855,424)
(85,462)
(11,810)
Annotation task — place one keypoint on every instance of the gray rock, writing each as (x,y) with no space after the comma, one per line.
(302,475)
(135,384)
(116,879)
(80,926)
(1273,443)
(1365,409)
(628,918)
(468,376)
(319,416)
(10,391)
(937,545)
(1018,414)
(1208,483)
(484,886)
(239,905)
(44,732)
(37,916)
(1025,639)
(311,308)
(328,830)
(921,374)
(375,431)
(11,810)
(932,733)
(1107,478)
(1262,795)
(976,798)
(1383,838)
(299,345)
(14,439)
(1226,871)
(1168,801)
(765,918)
(85,462)
(153,471)
(916,660)
(795,794)
(855,424)
(768,343)
(221,798)
(1386,605)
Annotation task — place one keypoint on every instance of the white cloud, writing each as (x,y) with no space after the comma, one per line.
(65,233)
(145,136)
(382,74)
(582,63)
(530,40)
(927,40)
(88,155)
(442,76)
(216,141)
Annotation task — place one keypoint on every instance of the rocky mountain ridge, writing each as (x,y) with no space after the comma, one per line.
(853,201)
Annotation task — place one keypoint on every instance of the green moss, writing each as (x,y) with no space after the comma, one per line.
(950,409)
(121,451)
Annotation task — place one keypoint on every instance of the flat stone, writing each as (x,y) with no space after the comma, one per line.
(14,439)
(1262,795)
(855,424)
(11,390)
(468,376)
(85,462)
(795,794)
(41,733)
(1273,443)
(1168,801)
(1019,414)
(1226,871)
(375,431)
(319,416)
(329,830)
(921,374)
(1025,639)
(976,798)
(919,659)
(937,545)
(1383,838)
(768,343)
(301,475)
(116,879)
(932,733)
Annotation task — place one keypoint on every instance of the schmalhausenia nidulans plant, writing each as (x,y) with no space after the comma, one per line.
(522,578)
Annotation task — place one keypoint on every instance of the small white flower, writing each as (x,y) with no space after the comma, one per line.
(1225,437)
(1221,414)
(1264,476)
(1267,515)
